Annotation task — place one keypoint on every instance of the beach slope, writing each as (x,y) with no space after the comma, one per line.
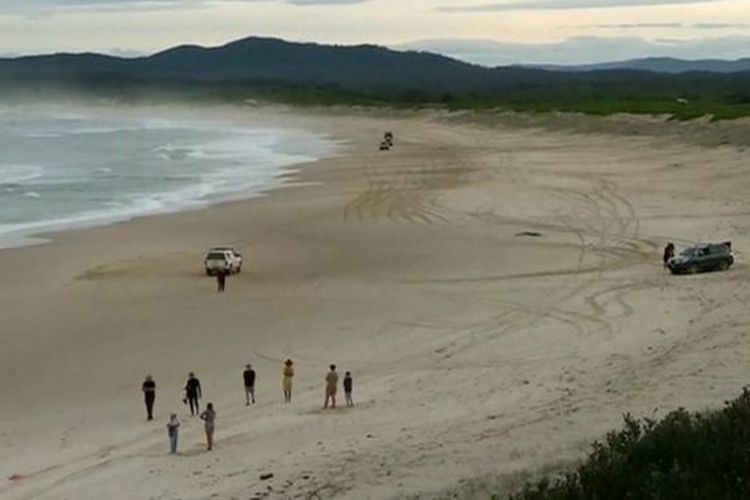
(496,290)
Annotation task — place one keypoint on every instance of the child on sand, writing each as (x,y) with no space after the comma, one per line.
(332,382)
(287,380)
(348,385)
(172,431)
(209,417)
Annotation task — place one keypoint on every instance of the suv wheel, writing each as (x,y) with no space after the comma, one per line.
(693,269)
(723,265)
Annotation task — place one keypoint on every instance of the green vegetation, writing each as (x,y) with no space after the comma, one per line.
(541,100)
(720,104)
(721,97)
(259,69)
(684,456)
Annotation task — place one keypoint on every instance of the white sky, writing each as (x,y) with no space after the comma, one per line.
(40,26)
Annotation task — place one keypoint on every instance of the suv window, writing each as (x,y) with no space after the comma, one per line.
(216,256)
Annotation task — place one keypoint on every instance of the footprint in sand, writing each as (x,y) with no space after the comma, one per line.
(237,473)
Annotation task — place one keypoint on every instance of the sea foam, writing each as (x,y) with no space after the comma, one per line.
(81,169)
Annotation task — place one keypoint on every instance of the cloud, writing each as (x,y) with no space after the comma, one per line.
(565,5)
(697,26)
(43,8)
(662,26)
(720,26)
(628,26)
(324,2)
(37,8)
(53,3)
(11,4)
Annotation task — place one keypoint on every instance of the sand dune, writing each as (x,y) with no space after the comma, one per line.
(477,346)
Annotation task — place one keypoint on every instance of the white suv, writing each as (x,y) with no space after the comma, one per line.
(222,258)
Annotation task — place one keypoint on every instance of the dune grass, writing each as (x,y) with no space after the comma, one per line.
(684,456)
(721,98)
(598,103)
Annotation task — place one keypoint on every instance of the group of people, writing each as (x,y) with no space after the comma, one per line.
(332,383)
(194,393)
(209,418)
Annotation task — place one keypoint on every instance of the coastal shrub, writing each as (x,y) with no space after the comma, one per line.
(684,456)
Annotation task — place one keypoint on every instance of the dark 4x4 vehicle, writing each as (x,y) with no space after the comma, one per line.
(711,257)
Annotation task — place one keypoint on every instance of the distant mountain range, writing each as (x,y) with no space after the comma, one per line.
(267,62)
(587,51)
(261,61)
(660,65)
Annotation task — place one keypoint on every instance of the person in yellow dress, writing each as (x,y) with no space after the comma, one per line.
(287,380)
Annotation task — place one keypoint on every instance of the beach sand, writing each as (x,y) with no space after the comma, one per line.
(477,349)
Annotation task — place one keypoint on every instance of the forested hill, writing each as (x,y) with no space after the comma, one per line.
(308,73)
(263,60)
(273,61)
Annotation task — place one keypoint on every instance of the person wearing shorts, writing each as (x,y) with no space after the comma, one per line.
(209,424)
(332,382)
(348,387)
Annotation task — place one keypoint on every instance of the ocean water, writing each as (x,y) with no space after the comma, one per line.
(61,169)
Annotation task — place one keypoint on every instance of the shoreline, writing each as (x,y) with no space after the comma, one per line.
(288,178)
(31,233)
(475,351)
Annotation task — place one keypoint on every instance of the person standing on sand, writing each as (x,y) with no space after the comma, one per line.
(149,396)
(209,417)
(332,382)
(221,279)
(668,253)
(348,386)
(193,393)
(172,431)
(287,380)
(248,377)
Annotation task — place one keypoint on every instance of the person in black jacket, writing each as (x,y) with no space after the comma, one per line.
(221,279)
(149,396)
(348,387)
(668,253)
(248,376)
(193,393)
